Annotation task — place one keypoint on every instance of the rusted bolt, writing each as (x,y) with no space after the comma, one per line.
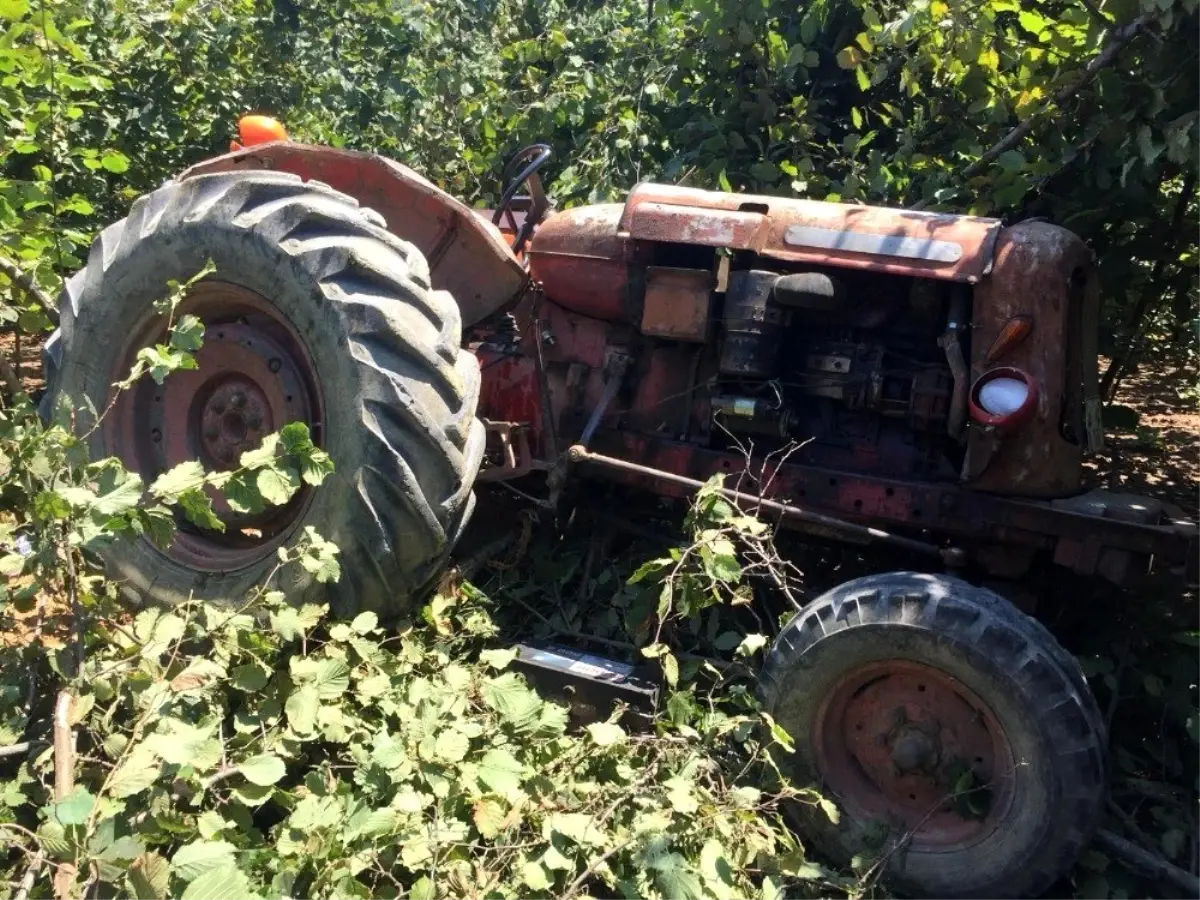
(218,404)
(155,435)
(238,400)
(275,364)
(254,420)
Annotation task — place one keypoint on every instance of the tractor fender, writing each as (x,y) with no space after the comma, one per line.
(467,255)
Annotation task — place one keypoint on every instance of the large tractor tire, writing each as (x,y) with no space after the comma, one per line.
(315,313)
(958,740)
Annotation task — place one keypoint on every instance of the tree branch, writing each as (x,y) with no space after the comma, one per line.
(1097,16)
(26,283)
(1150,863)
(1106,57)
(20,749)
(1149,301)
(9,375)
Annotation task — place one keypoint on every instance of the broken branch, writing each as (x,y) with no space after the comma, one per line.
(26,283)
(1148,863)
(20,749)
(1106,57)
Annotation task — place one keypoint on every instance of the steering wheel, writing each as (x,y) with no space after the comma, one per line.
(534,203)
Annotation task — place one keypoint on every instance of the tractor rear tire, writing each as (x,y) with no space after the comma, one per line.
(396,393)
(893,687)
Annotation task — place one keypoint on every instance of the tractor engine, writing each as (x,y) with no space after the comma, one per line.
(889,343)
(841,363)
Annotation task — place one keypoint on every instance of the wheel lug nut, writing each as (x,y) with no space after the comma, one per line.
(211,431)
(254,420)
(218,404)
(275,364)
(238,400)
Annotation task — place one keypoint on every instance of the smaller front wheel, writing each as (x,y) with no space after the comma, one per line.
(957,738)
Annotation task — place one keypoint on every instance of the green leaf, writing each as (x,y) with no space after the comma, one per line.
(498,659)
(119,491)
(331,678)
(262,455)
(579,827)
(605,734)
(1011,161)
(751,644)
(138,772)
(861,78)
(488,816)
(534,876)
(187,334)
(831,811)
(675,877)
(365,623)
(301,708)
(422,889)
(500,771)
(115,162)
(513,701)
(249,678)
(264,770)
(277,485)
(224,883)
(12,10)
(195,859)
(849,58)
(75,809)
(451,746)
(716,869)
(149,877)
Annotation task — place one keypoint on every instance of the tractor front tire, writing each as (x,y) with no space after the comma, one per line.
(316,313)
(958,740)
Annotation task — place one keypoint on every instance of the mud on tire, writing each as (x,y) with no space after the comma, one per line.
(980,646)
(398,393)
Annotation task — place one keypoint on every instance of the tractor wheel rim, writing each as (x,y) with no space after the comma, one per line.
(254,375)
(908,744)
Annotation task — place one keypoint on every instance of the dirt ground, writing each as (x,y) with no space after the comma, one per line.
(1162,457)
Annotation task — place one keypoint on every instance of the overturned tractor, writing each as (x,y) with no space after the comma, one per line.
(934,375)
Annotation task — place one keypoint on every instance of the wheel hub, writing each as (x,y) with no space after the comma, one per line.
(893,742)
(253,376)
(233,419)
(914,750)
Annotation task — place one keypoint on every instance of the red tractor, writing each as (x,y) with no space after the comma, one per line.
(933,376)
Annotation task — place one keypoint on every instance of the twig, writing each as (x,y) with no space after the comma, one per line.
(1106,57)
(1132,827)
(20,749)
(26,283)
(1115,699)
(1151,864)
(1149,302)
(9,374)
(64,776)
(31,875)
(1097,16)
(64,746)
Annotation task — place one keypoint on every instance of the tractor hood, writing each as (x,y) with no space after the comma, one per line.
(467,255)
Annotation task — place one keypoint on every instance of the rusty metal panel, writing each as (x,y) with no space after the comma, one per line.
(1035,262)
(579,259)
(677,303)
(467,256)
(694,225)
(877,239)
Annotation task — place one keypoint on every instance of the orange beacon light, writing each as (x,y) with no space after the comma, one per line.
(257,130)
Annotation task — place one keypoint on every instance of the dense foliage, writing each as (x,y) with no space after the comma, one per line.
(218,755)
